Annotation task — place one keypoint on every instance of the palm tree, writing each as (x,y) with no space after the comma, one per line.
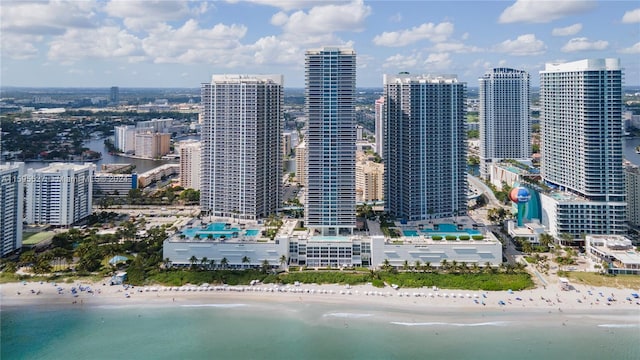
(417,264)
(487,267)
(427,266)
(386,264)
(246,260)
(204,261)
(405,265)
(444,264)
(454,266)
(224,262)
(283,261)
(212,264)
(265,266)
(475,267)
(166,263)
(193,260)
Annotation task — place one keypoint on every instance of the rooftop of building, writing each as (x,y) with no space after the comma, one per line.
(617,246)
(60,166)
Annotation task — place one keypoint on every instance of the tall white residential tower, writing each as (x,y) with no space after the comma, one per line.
(59,194)
(581,125)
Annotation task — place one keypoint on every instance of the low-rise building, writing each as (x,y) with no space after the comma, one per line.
(108,184)
(617,253)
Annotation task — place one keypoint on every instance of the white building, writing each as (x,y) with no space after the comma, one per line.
(113,184)
(581,127)
(617,252)
(190,164)
(241,146)
(330,76)
(11,207)
(60,194)
(504,120)
(632,181)
(425,147)
(124,138)
(301,248)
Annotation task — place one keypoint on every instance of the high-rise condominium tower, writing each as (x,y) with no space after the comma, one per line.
(424,147)
(581,124)
(190,159)
(60,194)
(241,151)
(330,75)
(505,124)
(11,198)
(379,124)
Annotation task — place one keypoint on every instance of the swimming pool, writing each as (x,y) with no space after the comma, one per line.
(252,232)
(410,232)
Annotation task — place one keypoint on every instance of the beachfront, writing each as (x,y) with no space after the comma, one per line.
(580,298)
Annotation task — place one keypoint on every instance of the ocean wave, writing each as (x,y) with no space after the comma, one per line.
(346,315)
(619,325)
(215,305)
(491,323)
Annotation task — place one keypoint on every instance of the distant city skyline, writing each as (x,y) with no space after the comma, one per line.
(179,44)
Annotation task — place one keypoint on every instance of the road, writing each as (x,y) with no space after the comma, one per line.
(485,190)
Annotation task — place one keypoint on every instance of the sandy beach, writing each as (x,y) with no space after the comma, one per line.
(582,299)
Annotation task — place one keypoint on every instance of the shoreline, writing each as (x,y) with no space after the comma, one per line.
(580,301)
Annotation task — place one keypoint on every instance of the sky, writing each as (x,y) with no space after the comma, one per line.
(163,43)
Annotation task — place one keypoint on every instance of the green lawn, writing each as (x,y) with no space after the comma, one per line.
(29,239)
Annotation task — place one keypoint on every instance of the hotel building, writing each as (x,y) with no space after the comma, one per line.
(60,194)
(11,208)
(190,161)
(581,127)
(330,75)
(424,147)
(241,146)
(505,123)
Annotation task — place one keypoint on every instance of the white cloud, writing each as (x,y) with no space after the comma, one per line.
(403,62)
(583,44)
(143,15)
(46,18)
(633,49)
(438,61)
(190,43)
(19,46)
(631,16)
(455,48)
(290,4)
(323,20)
(273,50)
(105,42)
(523,45)
(567,31)
(427,31)
(535,11)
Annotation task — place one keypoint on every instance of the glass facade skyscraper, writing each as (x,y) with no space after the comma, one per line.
(330,75)
(241,168)
(505,123)
(581,125)
(424,147)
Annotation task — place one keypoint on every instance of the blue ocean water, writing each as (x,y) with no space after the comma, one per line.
(308,331)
